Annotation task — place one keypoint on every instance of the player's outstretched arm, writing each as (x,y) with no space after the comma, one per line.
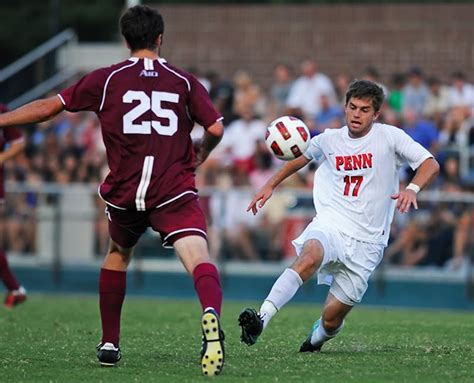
(267,190)
(425,174)
(212,136)
(35,111)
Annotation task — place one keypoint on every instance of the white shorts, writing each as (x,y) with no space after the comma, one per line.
(347,263)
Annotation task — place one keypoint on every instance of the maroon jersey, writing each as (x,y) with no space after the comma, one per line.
(7,136)
(147,110)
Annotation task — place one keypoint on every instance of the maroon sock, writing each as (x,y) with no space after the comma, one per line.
(208,286)
(112,286)
(5,273)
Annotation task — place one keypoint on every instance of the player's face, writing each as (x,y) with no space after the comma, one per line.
(360,115)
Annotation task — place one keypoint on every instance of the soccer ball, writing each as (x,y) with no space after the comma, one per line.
(287,138)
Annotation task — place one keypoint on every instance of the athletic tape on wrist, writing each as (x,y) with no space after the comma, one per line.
(414,187)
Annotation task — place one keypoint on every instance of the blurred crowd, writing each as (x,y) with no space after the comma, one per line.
(438,112)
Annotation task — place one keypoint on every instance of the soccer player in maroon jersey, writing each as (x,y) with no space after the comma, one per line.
(147,109)
(11,143)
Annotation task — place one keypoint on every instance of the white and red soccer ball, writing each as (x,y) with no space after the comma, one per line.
(287,137)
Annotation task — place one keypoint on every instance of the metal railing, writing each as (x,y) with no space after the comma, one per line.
(28,59)
(38,54)
(42,88)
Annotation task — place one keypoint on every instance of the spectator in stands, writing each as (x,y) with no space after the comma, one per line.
(240,140)
(415,92)
(222,95)
(236,227)
(341,83)
(247,95)
(90,137)
(447,225)
(437,237)
(455,130)
(461,94)
(461,216)
(330,116)
(279,90)
(395,96)
(437,105)
(409,247)
(441,228)
(304,98)
(263,165)
(463,241)
(371,73)
(450,170)
(421,130)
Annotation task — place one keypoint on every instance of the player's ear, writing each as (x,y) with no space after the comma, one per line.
(160,40)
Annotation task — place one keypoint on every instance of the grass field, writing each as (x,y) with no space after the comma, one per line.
(52,339)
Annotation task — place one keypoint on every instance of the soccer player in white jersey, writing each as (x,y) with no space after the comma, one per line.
(355,195)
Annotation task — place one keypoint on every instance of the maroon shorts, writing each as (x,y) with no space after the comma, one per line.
(175,220)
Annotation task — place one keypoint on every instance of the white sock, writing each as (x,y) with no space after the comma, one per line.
(267,311)
(21,291)
(281,293)
(320,336)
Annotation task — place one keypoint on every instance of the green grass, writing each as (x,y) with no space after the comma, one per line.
(52,339)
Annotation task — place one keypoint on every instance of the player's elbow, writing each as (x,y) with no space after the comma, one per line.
(435,168)
(216,129)
(430,168)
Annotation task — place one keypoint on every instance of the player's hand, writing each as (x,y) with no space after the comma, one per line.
(262,196)
(405,199)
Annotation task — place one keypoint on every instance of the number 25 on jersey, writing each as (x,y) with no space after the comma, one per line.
(144,106)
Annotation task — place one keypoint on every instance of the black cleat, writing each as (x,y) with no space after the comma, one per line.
(252,326)
(108,354)
(212,350)
(306,346)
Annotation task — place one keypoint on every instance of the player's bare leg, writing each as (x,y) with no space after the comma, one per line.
(328,326)
(16,293)
(112,286)
(193,253)
(283,290)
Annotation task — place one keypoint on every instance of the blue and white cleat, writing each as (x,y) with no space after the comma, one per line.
(307,346)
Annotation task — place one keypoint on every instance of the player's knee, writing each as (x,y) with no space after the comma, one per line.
(312,254)
(124,254)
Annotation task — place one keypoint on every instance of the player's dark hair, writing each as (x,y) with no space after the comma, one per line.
(363,89)
(140,26)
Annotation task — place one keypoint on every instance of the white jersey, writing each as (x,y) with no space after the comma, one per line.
(357,176)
